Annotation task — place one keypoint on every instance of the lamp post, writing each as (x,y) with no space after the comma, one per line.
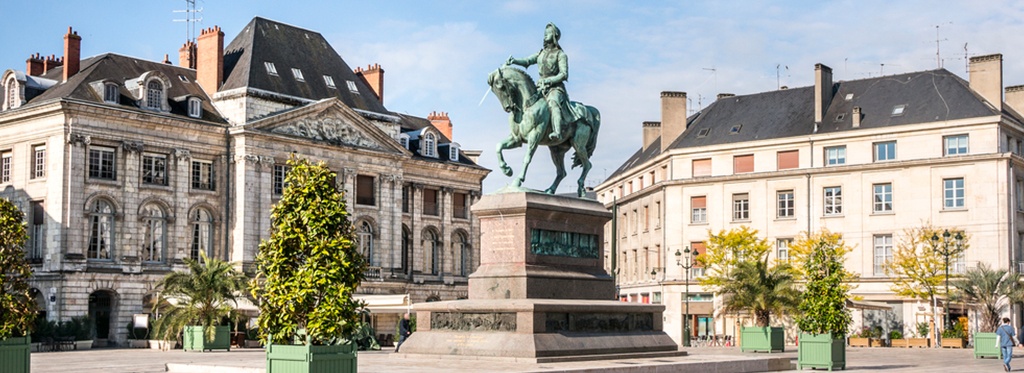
(947,247)
(686,260)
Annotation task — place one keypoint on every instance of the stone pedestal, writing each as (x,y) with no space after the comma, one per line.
(541,292)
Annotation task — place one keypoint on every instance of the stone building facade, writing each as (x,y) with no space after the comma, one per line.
(125,167)
(866,158)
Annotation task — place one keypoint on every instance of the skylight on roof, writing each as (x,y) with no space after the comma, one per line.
(840,117)
(298,74)
(271,69)
(898,110)
(352,86)
(182,78)
(735,129)
(329,81)
(849,97)
(703,132)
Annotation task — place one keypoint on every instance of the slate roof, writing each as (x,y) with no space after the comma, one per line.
(928,96)
(118,68)
(288,47)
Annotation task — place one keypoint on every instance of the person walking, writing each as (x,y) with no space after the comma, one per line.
(1007,339)
(404,330)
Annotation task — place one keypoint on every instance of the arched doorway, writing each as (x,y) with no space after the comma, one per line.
(101,312)
(40,301)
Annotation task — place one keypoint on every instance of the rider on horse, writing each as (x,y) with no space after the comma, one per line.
(553,68)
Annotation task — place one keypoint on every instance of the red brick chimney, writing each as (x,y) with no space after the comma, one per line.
(51,62)
(210,59)
(187,55)
(373,76)
(72,53)
(441,122)
(34,65)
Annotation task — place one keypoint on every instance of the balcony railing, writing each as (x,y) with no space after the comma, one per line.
(373,274)
(459,212)
(429,208)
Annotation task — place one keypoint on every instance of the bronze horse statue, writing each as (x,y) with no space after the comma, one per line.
(530,122)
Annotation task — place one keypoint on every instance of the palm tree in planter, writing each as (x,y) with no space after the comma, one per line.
(17,309)
(197,302)
(823,318)
(763,289)
(990,293)
(306,275)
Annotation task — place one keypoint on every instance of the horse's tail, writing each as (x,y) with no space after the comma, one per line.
(592,119)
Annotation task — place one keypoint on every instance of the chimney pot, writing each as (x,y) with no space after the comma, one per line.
(724,95)
(441,122)
(373,76)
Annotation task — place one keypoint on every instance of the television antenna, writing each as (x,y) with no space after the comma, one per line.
(191,18)
(938,40)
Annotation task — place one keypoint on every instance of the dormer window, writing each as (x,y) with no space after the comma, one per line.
(111,93)
(298,74)
(453,152)
(329,81)
(195,107)
(11,94)
(404,140)
(429,146)
(154,95)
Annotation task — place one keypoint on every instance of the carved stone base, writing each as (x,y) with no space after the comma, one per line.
(538,329)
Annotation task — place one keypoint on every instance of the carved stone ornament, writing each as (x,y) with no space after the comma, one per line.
(331,130)
(133,146)
(182,154)
(80,139)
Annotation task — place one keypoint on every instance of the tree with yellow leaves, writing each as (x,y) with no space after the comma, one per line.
(726,249)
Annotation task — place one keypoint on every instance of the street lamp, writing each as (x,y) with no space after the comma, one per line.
(947,247)
(686,261)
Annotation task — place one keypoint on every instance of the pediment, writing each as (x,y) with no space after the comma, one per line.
(334,124)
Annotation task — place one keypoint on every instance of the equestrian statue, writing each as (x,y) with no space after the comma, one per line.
(541,113)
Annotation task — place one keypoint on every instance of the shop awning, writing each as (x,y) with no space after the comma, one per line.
(389,303)
(868,305)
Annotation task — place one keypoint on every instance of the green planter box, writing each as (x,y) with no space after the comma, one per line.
(194,340)
(15,355)
(985,345)
(821,351)
(311,359)
(765,339)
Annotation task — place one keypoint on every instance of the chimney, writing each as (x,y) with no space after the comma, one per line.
(725,95)
(651,131)
(373,76)
(34,65)
(187,55)
(167,59)
(442,123)
(986,76)
(52,62)
(822,91)
(210,59)
(856,117)
(72,53)
(1015,98)
(673,117)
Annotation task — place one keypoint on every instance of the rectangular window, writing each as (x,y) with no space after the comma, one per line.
(782,245)
(352,86)
(953,193)
(786,207)
(835,155)
(364,190)
(459,210)
(5,166)
(430,202)
(699,209)
(885,151)
(39,161)
(740,207)
(111,93)
(882,198)
(701,167)
(406,198)
(202,175)
(743,163)
(833,200)
(329,81)
(298,75)
(954,145)
(37,234)
(883,252)
(101,163)
(698,249)
(154,169)
(788,159)
(647,218)
(280,174)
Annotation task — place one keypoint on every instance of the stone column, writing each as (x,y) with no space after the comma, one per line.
(180,176)
(417,259)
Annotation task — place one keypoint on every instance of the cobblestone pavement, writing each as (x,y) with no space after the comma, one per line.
(143,360)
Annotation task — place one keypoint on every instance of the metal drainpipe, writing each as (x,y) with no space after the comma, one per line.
(227,199)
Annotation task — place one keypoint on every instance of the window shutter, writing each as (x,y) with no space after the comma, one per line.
(743,163)
(789,159)
(701,167)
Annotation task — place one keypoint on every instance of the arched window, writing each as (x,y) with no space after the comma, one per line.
(462,249)
(101,230)
(111,93)
(12,94)
(154,95)
(155,236)
(366,242)
(202,233)
(429,145)
(433,246)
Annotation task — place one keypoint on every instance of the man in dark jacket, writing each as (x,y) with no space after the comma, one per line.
(404,330)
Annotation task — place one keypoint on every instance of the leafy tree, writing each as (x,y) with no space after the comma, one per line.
(204,295)
(725,250)
(823,305)
(17,310)
(990,291)
(917,269)
(310,267)
(762,288)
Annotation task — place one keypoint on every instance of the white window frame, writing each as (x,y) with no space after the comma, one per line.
(782,249)
(13,93)
(329,80)
(195,107)
(298,75)
(102,219)
(154,242)
(699,215)
(953,194)
(352,87)
(785,207)
(453,152)
(365,235)
(881,198)
(741,207)
(202,233)
(882,252)
(882,151)
(154,169)
(956,145)
(39,161)
(102,155)
(196,180)
(271,68)
(429,145)
(6,164)
(833,201)
(280,175)
(111,93)
(835,155)
(154,95)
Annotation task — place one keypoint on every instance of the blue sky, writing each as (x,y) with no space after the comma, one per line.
(622,54)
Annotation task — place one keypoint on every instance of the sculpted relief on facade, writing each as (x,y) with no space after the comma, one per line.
(330,129)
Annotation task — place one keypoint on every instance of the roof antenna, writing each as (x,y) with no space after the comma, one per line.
(714,73)
(190,19)
(938,60)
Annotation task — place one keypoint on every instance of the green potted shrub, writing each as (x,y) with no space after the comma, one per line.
(923,339)
(956,337)
(896,339)
(823,318)
(17,309)
(861,338)
(989,292)
(876,337)
(196,304)
(306,275)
